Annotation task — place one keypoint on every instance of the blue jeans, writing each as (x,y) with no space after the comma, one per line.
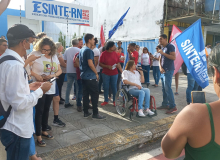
(146,74)
(168,98)
(71,77)
(32,150)
(192,86)
(80,93)
(156,74)
(143,94)
(107,81)
(15,146)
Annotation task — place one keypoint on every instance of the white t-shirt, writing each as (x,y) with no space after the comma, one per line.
(44,65)
(145,59)
(208,50)
(156,62)
(68,56)
(97,54)
(132,77)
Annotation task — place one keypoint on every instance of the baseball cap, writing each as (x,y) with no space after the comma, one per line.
(19,31)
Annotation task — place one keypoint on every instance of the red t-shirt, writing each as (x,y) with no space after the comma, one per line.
(77,68)
(119,55)
(109,58)
(135,54)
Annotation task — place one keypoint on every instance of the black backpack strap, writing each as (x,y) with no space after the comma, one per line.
(9,57)
(6,58)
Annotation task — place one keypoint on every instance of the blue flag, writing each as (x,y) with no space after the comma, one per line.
(119,23)
(192,49)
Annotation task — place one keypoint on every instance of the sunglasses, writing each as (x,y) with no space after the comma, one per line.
(157,48)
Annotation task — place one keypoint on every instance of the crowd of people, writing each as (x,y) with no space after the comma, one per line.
(88,68)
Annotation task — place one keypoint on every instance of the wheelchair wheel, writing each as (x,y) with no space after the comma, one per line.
(121,103)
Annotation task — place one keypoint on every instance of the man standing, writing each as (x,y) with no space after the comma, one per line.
(80,44)
(71,70)
(15,92)
(119,46)
(208,48)
(3,45)
(167,69)
(89,77)
(133,54)
(192,86)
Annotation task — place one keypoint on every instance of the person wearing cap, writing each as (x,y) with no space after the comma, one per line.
(15,92)
(196,128)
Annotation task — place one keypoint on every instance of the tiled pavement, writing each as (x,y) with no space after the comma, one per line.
(79,129)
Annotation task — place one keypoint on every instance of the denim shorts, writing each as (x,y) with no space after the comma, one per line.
(56,91)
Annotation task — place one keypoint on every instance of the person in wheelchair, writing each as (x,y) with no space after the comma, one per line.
(134,78)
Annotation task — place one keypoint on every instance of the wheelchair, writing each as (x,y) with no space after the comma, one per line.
(123,97)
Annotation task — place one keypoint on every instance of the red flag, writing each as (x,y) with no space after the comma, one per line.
(179,61)
(102,36)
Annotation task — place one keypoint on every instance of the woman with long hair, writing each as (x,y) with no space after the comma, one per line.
(43,69)
(146,64)
(110,61)
(196,128)
(132,77)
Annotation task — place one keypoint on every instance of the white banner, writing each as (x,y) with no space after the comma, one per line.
(55,11)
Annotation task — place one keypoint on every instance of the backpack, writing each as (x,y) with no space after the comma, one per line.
(184,69)
(4,114)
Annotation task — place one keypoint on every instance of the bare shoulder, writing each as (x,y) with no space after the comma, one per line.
(192,115)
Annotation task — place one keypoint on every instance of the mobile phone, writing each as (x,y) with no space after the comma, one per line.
(42,55)
(52,79)
(198,97)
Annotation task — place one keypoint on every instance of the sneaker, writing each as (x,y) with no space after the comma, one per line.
(104,103)
(98,116)
(61,99)
(61,102)
(148,112)
(86,115)
(140,113)
(79,109)
(41,143)
(48,128)
(163,107)
(74,98)
(171,110)
(68,105)
(58,123)
(114,104)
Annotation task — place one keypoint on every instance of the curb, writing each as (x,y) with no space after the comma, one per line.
(114,142)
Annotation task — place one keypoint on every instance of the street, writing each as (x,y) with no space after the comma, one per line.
(148,151)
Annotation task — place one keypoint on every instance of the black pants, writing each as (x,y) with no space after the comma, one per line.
(100,80)
(42,113)
(90,88)
(60,81)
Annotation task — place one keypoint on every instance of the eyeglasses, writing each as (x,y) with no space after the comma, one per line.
(45,50)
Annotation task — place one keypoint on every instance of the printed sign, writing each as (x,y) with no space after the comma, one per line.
(60,12)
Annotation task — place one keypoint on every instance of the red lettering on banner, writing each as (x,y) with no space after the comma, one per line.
(85,14)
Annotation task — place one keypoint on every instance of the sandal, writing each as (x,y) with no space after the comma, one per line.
(176,93)
(47,136)
(41,143)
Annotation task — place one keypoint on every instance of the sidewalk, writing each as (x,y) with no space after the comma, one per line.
(81,134)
